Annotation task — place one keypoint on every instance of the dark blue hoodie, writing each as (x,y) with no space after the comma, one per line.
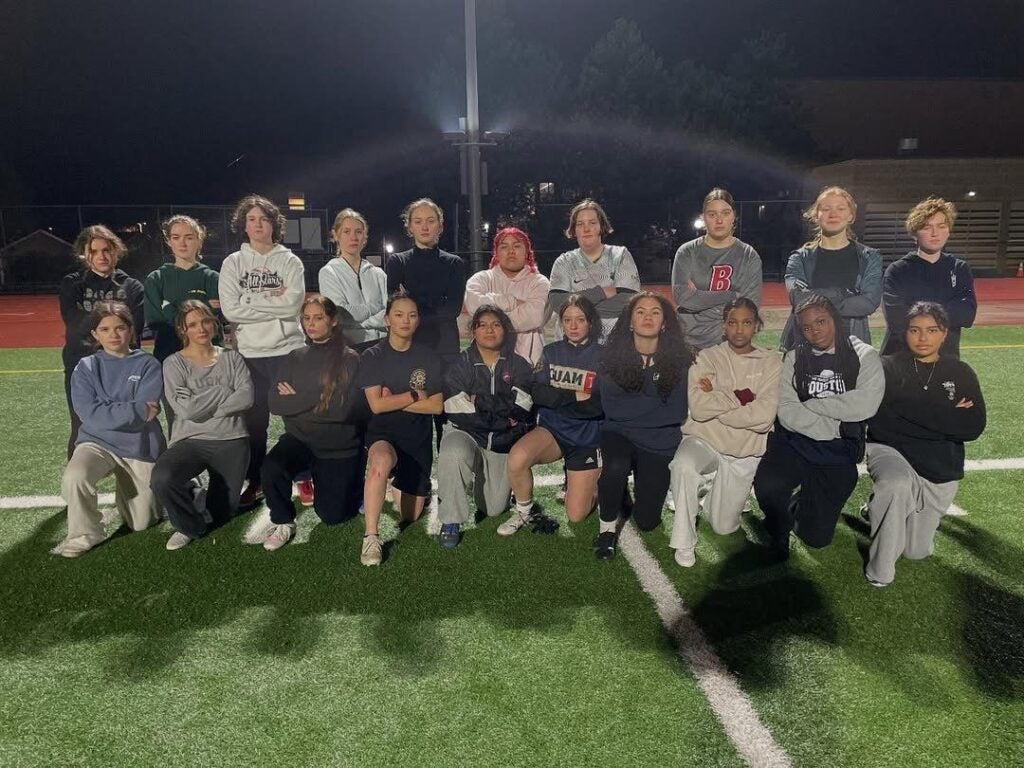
(565,369)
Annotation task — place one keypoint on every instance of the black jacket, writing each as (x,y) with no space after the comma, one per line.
(499,413)
(436,279)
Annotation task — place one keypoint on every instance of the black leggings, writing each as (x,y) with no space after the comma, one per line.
(813,511)
(619,457)
(338,482)
(263,371)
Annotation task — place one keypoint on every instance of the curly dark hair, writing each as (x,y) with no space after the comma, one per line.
(508,343)
(271,211)
(930,309)
(624,365)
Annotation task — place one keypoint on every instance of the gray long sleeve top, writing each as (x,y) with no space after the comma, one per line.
(208,403)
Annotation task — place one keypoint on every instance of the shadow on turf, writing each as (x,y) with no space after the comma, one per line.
(155,600)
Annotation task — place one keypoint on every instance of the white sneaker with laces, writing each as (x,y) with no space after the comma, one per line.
(515,521)
(686,557)
(372,552)
(280,536)
(177,541)
(260,527)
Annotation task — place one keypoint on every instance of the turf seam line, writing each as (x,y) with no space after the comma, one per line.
(752,739)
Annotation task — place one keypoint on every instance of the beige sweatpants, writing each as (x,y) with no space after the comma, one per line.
(89,464)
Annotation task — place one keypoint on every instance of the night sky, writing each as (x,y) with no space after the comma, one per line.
(153,101)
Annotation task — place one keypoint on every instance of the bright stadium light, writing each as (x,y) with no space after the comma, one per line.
(698,223)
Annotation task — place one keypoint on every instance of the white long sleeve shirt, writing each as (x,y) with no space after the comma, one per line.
(360,295)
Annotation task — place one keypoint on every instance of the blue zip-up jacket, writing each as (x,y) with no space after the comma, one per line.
(565,369)
(499,413)
(855,304)
(109,394)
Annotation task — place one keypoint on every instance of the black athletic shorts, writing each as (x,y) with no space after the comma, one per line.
(578,458)
(411,473)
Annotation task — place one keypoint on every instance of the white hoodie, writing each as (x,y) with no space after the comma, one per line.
(361,296)
(262,296)
(524,299)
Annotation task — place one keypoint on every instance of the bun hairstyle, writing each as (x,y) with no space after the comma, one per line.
(811,214)
(742,302)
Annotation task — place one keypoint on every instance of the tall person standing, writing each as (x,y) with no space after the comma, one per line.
(262,287)
(713,271)
(99,279)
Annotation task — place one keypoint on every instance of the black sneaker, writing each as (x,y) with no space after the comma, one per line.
(778,549)
(604,545)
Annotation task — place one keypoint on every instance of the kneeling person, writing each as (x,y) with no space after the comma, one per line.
(488,403)
(915,451)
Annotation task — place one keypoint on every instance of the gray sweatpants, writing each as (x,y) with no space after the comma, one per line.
(693,463)
(905,511)
(461,461)
(89,464)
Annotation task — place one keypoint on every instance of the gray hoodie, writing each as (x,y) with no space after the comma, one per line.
(208,403)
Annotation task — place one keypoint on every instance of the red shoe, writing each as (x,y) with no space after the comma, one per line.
(305,488)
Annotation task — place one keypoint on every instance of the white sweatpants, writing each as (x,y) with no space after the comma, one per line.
(693,463)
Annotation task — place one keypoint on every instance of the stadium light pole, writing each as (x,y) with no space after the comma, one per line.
(473,141)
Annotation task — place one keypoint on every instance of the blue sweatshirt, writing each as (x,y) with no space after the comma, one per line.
(565,369)
(647,421)
(109,395)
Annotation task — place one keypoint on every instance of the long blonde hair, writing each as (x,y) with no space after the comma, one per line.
(811,214)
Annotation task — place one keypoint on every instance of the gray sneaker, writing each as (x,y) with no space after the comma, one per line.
(515,521)
(371,553)
(278,537)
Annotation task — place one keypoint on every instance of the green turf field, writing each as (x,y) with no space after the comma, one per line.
(501,652)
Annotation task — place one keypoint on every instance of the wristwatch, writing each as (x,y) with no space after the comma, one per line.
(415,395)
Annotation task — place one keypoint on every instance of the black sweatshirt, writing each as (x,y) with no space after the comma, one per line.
(436,279)
(79,293)
(948,282)
(925,425)
(337,432)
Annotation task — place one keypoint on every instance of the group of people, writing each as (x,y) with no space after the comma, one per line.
(368,376)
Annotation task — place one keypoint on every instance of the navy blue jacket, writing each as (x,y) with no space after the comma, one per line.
(565,369)
(647,421)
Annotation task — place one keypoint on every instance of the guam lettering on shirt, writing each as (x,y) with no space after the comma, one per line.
(721,277)
(262,280)
(825,384)
(576,379)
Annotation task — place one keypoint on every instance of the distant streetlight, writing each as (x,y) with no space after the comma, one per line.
(389,248)
(698,223)
(971,193)
(487,227)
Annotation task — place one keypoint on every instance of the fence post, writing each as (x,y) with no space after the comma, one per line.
(1004,237)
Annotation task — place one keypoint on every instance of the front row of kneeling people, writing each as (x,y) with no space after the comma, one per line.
(709,425)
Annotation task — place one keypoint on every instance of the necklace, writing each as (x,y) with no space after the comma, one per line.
(930,374)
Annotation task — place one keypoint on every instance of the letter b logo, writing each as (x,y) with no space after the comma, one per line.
(721,277)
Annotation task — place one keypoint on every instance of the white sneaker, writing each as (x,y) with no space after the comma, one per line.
(686,557)
(259,528)
(515,521)
(68,549)
(280,536)
(371,553)
(177,541)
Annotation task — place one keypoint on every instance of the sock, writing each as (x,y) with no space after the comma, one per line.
(608,526)
(524,507)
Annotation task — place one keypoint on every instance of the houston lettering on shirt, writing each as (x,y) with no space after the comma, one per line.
(825,384)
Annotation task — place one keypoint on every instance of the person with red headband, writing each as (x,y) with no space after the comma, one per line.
(514,285)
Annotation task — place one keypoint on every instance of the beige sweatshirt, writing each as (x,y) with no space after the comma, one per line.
(717,417)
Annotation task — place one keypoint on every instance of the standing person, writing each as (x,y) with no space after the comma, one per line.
(170,285)
(116,394)
(834,265)
(488,403)
(643,392)
(99,279)
(358,288)
(210,390)
(175,282)
(915,452)
(733,397)
(829,386)
(514,285)
(261,291)
(605,275)
(712,271)
(315,392)
(435,279)
(565,387)
(929,273)
(403,387)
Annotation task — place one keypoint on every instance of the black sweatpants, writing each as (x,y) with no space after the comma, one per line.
(338,482)
(619,457)
(76,423)
(171,482)
(812,511)
(263,371)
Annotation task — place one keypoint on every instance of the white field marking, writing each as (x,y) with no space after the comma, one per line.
(752,739)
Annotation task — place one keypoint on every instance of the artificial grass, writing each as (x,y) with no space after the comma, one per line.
(500,652)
